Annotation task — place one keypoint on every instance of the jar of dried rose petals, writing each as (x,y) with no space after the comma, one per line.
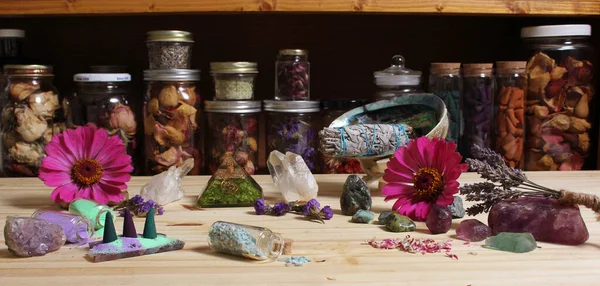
(31,115)
(171,120)
(560,119)
(511,81)
(292,75)
(232,129)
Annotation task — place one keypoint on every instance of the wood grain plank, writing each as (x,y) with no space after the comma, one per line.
(538,7)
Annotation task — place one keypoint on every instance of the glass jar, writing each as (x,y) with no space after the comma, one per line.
(511,82)
(102,99)
(77,228)
(292,75)
(396,80)
(95,212)
(169,49)
(561,130)
(234,80)
(478,106)
(31,115)
(232,129)
(248,241)
(331,110)
(445,81)
(292,126)
(108,69)
(11,49)
(171,120)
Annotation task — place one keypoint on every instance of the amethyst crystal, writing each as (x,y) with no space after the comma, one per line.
(547,219)
(28,237)
(473,230)
(439,220)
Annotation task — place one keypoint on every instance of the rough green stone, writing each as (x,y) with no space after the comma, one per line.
(383,216)
(356,196)
(399,223)
(512,242)
(363,216)
(457,208)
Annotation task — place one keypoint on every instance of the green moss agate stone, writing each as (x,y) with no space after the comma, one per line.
(363,216)
(512,242)
(399,223)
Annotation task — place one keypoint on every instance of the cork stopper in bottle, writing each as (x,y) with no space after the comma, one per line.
(478,69)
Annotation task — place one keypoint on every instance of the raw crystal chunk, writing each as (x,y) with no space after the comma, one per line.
(457,208)
(363,216)
(473,230)
(546,219)
(512,242)
(399,223)
(356,196)
(28,237)
(439,219)
(165,187)
(292,177)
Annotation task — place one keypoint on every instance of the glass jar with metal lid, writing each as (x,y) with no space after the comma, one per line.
(292,75)
(396,80)
(478,106)
(445,81)
(103,99)
(169,49)
(232,129)
(233,80)
(172,120)
(292,126)
(31,115)
(561,125)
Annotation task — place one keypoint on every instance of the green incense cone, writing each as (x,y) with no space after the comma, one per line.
(149,226)
(128,226)
(110,234)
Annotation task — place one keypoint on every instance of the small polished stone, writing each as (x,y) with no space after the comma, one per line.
(457,208)
(383,216)
(355,196)
(363,216)
(399,223)
(512,242)
(473,230)
(439,219)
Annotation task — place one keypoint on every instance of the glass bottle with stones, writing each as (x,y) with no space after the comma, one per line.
(397,80)
(172,120)
(292,75)
(31,115)
(292,127)
(478,106)
(509,131)
(169,49)
(233,80)
(445,81)
(232,128)
(248,241)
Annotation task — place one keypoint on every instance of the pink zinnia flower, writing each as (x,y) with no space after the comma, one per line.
(422,174)
(86,163)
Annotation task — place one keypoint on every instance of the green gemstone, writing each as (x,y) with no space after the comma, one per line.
(399,223)
(363,216)
(512,242)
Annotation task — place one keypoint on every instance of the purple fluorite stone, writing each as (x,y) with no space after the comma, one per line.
(547,219)
(439,219)
(28,237)
(473,230)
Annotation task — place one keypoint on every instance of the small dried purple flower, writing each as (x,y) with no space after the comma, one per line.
(138,206)
(259,206)
(280,209)
(136,200)
(311,206)
(326,213)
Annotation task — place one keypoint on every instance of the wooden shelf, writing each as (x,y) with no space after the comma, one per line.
(507,7)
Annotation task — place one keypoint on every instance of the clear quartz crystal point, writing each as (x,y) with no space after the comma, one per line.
(165,187)
(292,177)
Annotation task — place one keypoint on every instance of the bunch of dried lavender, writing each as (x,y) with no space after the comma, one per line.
(504,182)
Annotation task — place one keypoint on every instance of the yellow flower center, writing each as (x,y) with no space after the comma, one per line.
(86,172)
(428,184)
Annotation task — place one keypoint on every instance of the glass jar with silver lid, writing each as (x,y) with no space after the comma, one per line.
(169,49)
(234,80)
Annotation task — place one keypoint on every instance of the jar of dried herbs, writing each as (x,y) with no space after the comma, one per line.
(103,99)
(233,130)
(511,81)
(169,49)
(31,115)
(292,75)
(292,126)
(248,241)
(172,120)
(445,81)
(397,80)
(561,130)
(233,80)
(478,106)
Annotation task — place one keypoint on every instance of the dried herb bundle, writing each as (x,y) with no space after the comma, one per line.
(504,182)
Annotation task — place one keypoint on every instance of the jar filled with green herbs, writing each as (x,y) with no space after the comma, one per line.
(445,82)
(234,80)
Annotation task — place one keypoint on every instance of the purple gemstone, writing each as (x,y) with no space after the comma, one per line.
(439,220)
(473,230)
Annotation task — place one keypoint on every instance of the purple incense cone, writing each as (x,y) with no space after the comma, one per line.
(128,226)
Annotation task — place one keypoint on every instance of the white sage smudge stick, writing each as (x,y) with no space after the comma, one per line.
(363,140)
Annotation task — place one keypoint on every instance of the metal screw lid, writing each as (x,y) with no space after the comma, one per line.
(233,67)
(28,70)
(172,75)
(293,52)
(169,36)
(292,106)
(241,106)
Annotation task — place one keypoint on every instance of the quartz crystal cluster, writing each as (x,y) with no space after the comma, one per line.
(165,187)
(292,176)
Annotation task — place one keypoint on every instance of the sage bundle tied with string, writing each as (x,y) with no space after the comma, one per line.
(363,140)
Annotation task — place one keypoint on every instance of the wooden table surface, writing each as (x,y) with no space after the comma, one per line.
(338,245)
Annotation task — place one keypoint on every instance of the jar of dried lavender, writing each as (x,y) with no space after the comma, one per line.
(478,106)
(169,49)
(103,100)
(172,120)
(232,129)
(31,115)
(292,75)
(292,126)
(561,131)
(396,80)
(233,80)
(511,81)
(445,81)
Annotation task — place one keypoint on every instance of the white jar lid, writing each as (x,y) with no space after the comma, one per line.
(101,77)
(12,33)
(556,31)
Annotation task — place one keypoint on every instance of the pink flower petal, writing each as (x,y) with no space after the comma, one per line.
(85,193)
(422,210)
(54,179)
(106,156)
(121,169)
(56,163)
(401,201)
(99,195)
(396,188)
(55,149)
(112,194)
(72,140)
(98,141)
(65,193)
